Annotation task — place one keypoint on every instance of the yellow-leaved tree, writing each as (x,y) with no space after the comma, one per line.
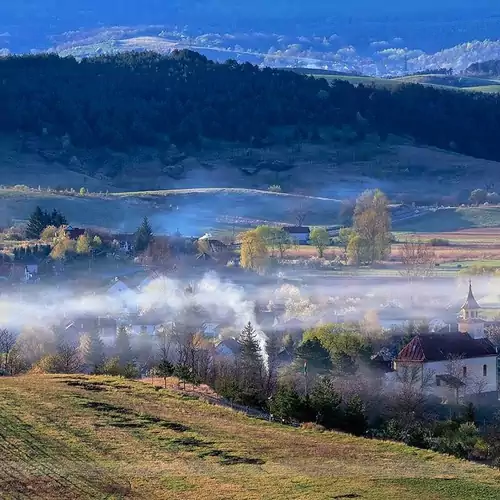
(63,244)
(372,224)
(253,251)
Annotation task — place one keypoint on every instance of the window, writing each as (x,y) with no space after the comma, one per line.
(464,370)
(485,370)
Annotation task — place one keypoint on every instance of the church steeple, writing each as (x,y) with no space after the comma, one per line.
(469,320)
(470,304)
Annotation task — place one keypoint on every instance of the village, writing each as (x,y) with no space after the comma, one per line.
(133,275)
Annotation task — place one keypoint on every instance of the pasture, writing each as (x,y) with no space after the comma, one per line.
(80,437)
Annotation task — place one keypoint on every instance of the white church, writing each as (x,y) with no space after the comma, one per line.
(453,365)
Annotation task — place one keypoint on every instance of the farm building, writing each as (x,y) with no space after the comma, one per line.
(299,234)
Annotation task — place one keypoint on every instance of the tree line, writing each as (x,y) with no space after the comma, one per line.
(134,99)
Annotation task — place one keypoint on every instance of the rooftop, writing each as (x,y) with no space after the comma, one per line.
(440,346)
(297,229)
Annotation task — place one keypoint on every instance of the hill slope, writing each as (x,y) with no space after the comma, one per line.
(83,437)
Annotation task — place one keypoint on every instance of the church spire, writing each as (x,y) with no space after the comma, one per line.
(470,303)
(469,321)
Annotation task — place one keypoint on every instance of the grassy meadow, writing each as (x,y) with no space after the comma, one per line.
(85,437)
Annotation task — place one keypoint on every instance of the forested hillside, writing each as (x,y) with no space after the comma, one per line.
(144,98)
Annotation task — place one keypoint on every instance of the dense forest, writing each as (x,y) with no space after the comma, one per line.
(144,98)
(485,68)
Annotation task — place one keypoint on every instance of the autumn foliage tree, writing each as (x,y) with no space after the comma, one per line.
(372,225)
(254,251)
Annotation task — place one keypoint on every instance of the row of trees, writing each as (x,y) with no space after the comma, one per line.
(148,99)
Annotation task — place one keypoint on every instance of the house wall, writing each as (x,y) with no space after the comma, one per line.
(474,379)
(474,372)
(301,238)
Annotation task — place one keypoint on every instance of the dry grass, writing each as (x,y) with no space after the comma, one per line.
(96,437)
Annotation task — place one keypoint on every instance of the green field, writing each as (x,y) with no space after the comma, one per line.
(84,437)
(452,219)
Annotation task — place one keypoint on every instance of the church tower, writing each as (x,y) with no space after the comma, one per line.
(469,320)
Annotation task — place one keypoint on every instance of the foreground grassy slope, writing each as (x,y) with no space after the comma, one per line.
(88,437)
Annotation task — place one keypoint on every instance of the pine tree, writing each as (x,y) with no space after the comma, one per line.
(36,224)
(57,219)
(92,350)
(122,347)
(143,236)
(286,404)
(354,416)
(326,403)
(251,365)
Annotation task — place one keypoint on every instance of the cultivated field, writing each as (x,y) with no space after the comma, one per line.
(77,437)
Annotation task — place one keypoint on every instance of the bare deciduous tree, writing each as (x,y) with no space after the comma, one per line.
(418,259)
(7,351)
(301,211)
(409,395)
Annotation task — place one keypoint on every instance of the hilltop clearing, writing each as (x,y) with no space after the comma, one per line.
(95,437)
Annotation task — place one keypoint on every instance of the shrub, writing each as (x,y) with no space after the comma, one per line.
(83,191)
(275,188)
(439,242)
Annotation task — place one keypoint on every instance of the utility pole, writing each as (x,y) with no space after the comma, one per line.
(305,380)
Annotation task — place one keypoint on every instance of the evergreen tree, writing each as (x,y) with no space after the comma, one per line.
(326,403)
(251,366)
(286,404)
(317,357)
(122,347)
(36,224)
(92,351)
(56,219)
(354,417)
(143,236)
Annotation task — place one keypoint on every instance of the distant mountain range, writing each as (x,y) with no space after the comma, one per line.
(382,33)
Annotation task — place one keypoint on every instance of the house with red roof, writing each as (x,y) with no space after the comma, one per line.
(452,365)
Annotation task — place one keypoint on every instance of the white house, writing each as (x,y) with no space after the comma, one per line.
(452,365)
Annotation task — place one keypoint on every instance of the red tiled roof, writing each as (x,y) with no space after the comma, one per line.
(440,346)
